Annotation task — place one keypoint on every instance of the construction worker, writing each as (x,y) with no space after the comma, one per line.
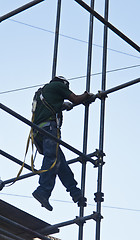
(48,116)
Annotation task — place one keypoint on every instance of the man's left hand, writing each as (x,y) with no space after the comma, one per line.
(67,106)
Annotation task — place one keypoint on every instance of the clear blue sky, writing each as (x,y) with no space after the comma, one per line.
(26,47)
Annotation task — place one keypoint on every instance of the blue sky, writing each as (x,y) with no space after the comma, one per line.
(26,47)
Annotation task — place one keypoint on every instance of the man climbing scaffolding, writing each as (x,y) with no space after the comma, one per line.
(48,115)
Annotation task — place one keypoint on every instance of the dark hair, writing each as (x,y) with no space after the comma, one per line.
(60,79)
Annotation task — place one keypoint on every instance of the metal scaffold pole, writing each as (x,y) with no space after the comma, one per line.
(20,9)
(109,25)
(45,133)
(56,39)
(3,183)
(99,195)
(85,137)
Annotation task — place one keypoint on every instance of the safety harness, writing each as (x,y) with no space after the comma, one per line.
(33,134)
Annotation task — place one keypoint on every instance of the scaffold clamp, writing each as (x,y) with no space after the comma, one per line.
(99,197)
(94,154)
(101,95)
(99,162)
(96,216)
(79,220)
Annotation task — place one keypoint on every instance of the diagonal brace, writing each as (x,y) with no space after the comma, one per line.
(3,183)
(95,216)
(45,133)
(109,25)
(20,9)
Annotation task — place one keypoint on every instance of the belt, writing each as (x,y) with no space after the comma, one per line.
(41,125)
(44,124)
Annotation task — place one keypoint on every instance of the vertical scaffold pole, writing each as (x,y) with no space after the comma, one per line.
(85,134)
(102,118)
(56,39)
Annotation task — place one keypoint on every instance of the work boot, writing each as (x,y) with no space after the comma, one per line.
(44,202)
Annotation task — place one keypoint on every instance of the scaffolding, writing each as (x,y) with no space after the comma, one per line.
(97,157)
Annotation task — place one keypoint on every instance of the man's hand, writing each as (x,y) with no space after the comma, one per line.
(91,98)
(67,106)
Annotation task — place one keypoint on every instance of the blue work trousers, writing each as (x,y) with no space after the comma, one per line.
(61,168)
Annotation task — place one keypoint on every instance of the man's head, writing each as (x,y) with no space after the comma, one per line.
(60,79)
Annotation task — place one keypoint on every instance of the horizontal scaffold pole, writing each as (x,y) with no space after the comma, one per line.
(77,220)
(20,9)
(11,180)
(45,133)
(119,87)
(79,159)
(3,183)
(74,160)
(108,24)
(101,94)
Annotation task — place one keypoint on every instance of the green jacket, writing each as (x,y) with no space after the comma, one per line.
(54,93)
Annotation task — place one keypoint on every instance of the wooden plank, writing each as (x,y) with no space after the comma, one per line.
(23,218)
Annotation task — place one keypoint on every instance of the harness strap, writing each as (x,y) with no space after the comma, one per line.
(57,147)
(27,147)
(48,106)
(31,138)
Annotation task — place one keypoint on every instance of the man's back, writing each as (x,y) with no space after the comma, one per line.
(54,94)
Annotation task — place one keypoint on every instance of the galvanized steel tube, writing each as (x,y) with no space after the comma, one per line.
(102,117)
(85,137)
(20,9)
(109,25)
(119,87)
(45,133)
(77,220)
(3,183)
(56,39)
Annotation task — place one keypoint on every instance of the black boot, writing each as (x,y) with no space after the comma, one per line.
(44,202)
